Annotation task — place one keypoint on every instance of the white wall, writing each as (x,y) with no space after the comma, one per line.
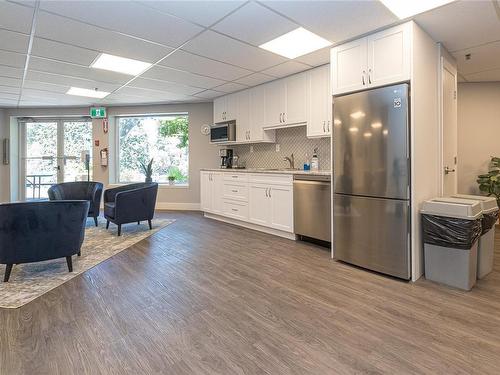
(201,153)
(478,131)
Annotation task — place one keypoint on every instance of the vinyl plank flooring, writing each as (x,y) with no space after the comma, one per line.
(205,297)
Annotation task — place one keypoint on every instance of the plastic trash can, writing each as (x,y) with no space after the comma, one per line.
(486,245)
(451,229)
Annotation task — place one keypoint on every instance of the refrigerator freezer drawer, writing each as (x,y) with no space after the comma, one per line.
(372,233)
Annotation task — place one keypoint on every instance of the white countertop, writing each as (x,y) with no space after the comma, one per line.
(265,170)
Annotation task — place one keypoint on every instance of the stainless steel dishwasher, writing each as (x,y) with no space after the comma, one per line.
(312,206)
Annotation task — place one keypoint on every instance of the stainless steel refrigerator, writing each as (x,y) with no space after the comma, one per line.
(371,193)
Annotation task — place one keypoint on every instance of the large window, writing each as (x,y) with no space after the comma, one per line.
(165,139)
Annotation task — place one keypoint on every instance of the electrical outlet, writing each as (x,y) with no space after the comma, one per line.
(277,147)
(251,148)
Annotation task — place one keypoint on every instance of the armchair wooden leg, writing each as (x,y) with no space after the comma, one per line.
(107,224)
(150,225)
(95,221)
(119,230)
(69,261)
(8,270)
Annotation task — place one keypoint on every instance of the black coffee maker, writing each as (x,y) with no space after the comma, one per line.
(226,158)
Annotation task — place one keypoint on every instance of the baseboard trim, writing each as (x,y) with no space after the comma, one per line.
(177,206)
(275,232)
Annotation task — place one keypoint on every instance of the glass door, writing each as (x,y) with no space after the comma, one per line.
(54,151)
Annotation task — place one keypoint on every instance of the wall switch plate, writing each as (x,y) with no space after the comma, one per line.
(277,147)
(251,148)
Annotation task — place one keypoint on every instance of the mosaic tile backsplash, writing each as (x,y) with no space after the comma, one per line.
(291,140)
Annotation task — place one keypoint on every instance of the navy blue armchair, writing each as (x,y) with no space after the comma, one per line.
(129,204)
(80,190)
(38,231)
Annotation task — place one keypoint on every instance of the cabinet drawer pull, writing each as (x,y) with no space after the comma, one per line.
(234,209)
(234,191)
(234,176)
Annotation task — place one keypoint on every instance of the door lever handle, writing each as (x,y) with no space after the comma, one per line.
(448,170)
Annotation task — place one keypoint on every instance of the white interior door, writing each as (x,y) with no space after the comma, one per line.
(449,121)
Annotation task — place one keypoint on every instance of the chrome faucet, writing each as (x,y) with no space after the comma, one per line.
(290,160)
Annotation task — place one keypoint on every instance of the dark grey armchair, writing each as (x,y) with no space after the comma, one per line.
(37,231)
(129,204)
(80,190)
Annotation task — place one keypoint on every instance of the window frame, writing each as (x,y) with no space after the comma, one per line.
(117,118)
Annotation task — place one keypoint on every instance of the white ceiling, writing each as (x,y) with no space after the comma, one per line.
(201,49)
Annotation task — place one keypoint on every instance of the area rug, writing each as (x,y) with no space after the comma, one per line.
(30,281)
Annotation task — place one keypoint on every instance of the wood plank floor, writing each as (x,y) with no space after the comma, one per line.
(203,297)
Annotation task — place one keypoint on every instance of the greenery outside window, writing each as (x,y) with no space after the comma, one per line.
(163,138)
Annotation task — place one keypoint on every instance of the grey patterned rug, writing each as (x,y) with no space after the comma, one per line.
(30,281)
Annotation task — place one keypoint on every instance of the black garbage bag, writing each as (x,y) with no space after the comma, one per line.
(489,221)
(450,232)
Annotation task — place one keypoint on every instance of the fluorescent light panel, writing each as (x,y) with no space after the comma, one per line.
(408,8)
(120,64)
(296,43)
(78,91)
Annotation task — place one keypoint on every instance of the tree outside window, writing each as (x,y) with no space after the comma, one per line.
(162,138)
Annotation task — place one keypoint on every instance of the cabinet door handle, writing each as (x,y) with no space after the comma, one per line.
(363,77)
(370,76)
(324,130)
(328,125)
(269,192)
(266,193)
(284,119)
(281,118)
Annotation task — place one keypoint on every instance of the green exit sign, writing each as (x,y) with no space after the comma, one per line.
(97,112)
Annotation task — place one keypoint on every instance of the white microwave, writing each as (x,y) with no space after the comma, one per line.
(223,131)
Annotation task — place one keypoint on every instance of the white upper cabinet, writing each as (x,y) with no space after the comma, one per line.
(243,116)
(225,108)
(296,110)
(389,54)
(319,123)
(258,115)
(376,60)
(348,65)
(275,93)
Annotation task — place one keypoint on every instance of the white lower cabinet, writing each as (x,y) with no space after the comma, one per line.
(265,200)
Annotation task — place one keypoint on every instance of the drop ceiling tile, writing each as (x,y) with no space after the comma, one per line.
(8,71)
(5,95)
(10,90)
(73,70)
(16,17)
(484,57)
(79,34)
(486,76)
(209,94)
(230,87)
(147,93)
(223,48)
(43,86)
(473,23)
(12,82)
(63,52)
(201,12)
(179,76)
(255,24)
(285,69)
(152,84)
(255,79)
(6,103)
(336,21)
(12,59)
(13,41)
(129,18)
(316,58)
(70,81)
(201,65)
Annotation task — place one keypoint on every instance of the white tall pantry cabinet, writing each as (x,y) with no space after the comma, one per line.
(404,53)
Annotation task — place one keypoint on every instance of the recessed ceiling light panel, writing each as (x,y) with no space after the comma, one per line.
(78,91)
(408,8)
(296,43)
(120,64)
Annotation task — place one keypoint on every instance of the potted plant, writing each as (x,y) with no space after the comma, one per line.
(171,179)
(489,183)
(148,170)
